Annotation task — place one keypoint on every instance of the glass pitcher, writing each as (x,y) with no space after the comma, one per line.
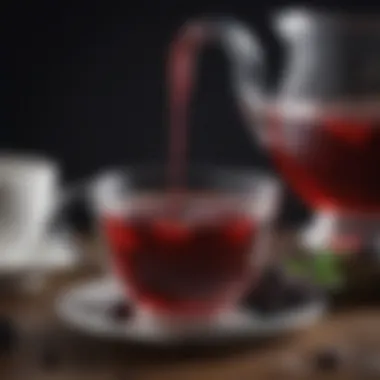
(322,126)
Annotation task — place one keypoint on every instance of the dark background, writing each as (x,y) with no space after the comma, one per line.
(84,82)
(88,84)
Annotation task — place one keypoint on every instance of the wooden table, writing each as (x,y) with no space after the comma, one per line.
(79,357)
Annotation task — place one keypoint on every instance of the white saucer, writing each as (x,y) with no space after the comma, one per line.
(86,308)
(53,253)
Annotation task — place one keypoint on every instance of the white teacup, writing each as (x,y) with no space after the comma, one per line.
(29,196)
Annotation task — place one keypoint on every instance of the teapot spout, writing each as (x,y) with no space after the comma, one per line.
(241,47)
(292,23)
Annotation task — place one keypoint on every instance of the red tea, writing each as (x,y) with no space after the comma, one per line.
(193,261)
(331,159)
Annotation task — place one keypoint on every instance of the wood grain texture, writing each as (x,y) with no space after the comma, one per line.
(80,357)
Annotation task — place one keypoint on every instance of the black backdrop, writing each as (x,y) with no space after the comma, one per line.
(88,84)
(84,82)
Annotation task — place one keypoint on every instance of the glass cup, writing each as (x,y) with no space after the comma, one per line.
(190,252)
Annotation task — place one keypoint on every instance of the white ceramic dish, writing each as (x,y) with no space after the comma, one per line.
(86,307)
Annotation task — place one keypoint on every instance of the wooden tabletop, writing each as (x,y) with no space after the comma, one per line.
(47,349)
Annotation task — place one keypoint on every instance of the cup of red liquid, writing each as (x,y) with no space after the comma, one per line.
(187,252)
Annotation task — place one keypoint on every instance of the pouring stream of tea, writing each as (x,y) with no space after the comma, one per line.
(181,68)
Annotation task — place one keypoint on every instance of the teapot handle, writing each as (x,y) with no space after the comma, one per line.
(242,48)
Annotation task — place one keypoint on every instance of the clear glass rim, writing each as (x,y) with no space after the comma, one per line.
(256,187)
(366,108)
(298,17)
(231,171)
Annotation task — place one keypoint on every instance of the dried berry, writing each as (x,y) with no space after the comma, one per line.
(8,335)
(121,310)
(50,356)
(299,292)
(278,292)
(269,295)
(328,359)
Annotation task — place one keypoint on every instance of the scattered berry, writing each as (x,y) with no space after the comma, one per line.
(328,359)
(7,335)
(121,310)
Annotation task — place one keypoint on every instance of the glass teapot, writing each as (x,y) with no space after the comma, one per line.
(322,126)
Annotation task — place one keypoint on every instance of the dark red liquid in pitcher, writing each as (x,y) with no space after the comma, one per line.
(332,159)
(192,262)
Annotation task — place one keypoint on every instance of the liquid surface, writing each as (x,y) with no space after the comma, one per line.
(330,158)
(192,262)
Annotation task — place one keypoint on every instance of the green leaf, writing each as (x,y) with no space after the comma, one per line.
(325,268)
(328,269)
